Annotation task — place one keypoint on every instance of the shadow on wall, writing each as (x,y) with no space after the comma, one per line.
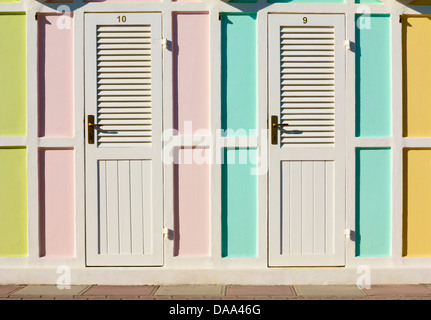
(251,5)
(421,6)
(63,6)
(241,5)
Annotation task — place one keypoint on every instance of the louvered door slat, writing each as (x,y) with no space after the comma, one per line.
(314,64)
(110,69)
(123,110)
(122,40)
(131,116)
(307,111)
(124,81)
(123,46)
(309,100)
(123,58)
(125,34)
(124,86)
(121,104)
(120,73)
(307,86)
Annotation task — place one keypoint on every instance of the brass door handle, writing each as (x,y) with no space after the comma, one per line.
(278,125)
(95,127)
(91,127)
(274,126)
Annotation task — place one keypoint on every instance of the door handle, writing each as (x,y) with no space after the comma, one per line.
(274,129)
(91,127)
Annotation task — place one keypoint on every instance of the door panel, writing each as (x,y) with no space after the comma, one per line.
(124,205)
(307,187)
(306,105)
(123,72)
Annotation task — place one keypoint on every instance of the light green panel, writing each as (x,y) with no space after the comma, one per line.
(13,200)
(13,90)
(373,202)
(239,203)
(238,73)
(373,75)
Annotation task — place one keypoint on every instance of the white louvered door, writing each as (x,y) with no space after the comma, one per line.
(307,158)
(123,92)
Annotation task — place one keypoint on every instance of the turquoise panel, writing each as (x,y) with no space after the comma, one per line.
(239,203)
(373,76)
(238,73)
(373,202)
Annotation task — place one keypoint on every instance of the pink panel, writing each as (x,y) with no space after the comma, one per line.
(55,57)
(57,202)
(191,70)
(192,202)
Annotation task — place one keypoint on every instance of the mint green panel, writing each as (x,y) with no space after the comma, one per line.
(373,202)
(238,73)
(239,203)
(373,75)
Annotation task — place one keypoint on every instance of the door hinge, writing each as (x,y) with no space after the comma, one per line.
(350,45)
(348,233)
(164,43)
(167,233)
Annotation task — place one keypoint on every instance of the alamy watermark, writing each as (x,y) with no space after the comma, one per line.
(364,20)
(203,147)
(364,280)
(64,280)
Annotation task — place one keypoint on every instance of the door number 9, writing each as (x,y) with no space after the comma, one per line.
(304,20)
(121,18)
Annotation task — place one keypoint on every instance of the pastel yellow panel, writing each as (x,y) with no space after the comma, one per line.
(417,75)
(13,202)
(417,203)
(13,98)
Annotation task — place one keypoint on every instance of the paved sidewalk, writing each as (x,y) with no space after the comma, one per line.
(216,292)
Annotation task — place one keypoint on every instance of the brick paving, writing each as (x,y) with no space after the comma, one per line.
(216,292)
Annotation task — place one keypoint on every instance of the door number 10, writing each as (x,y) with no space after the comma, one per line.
(121,18)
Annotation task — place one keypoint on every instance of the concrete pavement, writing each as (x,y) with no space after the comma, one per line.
(216,292)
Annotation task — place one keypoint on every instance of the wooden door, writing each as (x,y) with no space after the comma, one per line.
(123,92)
(307,152)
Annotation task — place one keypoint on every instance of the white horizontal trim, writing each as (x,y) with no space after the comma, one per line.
(13,141)
(197,275)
